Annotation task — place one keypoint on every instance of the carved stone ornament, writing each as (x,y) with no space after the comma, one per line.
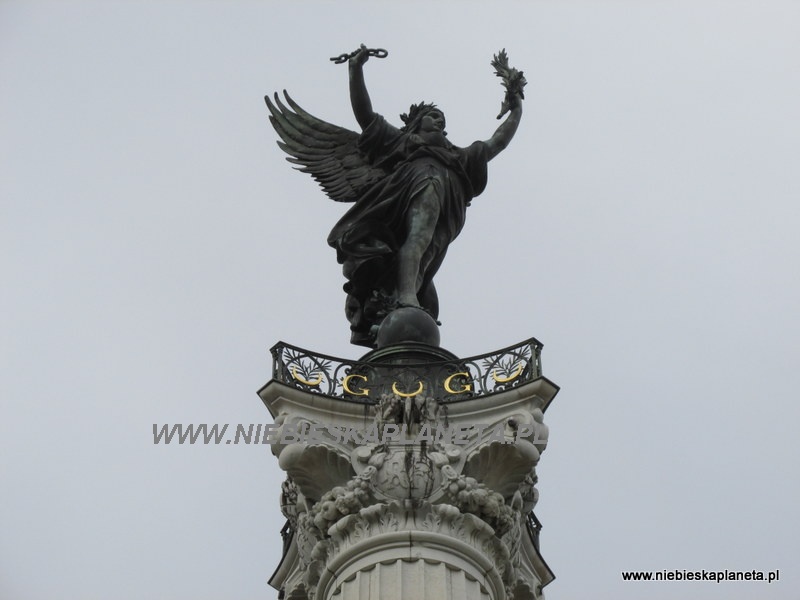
(355,503)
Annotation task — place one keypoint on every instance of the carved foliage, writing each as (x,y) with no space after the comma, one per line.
(343,500)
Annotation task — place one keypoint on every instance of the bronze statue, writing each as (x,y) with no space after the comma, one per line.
(410,187)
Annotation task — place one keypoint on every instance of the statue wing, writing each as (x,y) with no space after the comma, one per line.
(327,152)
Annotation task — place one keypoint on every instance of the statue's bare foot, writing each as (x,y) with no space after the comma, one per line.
(415,304)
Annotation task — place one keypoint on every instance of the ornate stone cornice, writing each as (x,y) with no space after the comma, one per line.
(359,502)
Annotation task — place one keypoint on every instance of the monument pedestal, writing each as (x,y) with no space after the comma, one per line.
(410,480)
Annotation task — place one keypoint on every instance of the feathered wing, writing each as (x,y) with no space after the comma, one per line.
(327,152)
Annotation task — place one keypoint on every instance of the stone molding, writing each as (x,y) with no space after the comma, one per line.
(385,534)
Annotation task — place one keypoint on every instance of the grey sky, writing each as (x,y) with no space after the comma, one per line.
(643,224)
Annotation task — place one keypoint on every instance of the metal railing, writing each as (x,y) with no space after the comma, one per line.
(534,529)
(445,381)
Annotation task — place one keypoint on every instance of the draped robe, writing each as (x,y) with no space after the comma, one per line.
(368,237)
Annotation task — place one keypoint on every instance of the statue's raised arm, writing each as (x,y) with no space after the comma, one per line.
(514,82)
(359,96)
(410,187)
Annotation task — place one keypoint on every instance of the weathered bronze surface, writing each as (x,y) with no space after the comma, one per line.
(410,187)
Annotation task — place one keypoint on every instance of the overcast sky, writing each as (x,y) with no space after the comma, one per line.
(643,225)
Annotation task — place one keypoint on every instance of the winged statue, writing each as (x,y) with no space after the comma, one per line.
(409,187)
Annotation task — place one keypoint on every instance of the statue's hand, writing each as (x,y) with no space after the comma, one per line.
(360,57)
(514,99)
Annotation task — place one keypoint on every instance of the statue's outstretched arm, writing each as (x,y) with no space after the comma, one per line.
(359,97)
(498,142)
(514,82)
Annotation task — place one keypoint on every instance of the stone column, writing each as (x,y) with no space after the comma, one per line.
(399,490)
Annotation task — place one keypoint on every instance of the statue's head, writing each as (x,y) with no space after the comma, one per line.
(423,117)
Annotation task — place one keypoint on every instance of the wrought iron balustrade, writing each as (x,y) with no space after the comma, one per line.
(534,528)
(445,381)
